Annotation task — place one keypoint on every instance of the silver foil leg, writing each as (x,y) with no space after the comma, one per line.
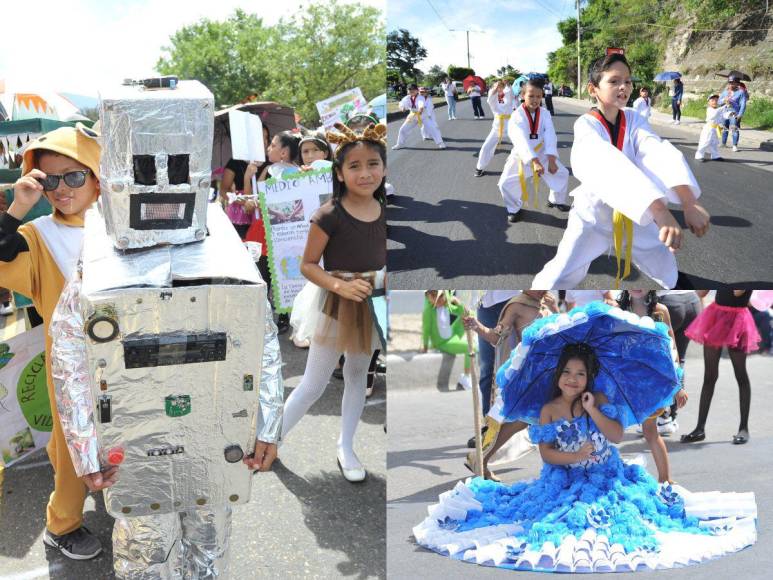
(205,538)
(147,547)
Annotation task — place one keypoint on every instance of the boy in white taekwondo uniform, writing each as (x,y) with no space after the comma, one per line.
(712,130)
(627,174)
(643,105)
(429,112)
(534,147)
(416,104)
(500,100)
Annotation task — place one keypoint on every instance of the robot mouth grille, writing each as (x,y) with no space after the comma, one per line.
(161,211)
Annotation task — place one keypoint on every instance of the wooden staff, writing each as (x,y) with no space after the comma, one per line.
(475,401)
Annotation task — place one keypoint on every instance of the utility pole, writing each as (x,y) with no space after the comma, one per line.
(579,69)
(468,42)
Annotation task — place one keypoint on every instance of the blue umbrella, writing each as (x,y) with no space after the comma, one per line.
(668,76)
(637,372)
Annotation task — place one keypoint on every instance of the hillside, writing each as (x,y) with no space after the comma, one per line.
(683,35)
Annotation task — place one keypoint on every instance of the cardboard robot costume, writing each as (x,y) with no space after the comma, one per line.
(152,370)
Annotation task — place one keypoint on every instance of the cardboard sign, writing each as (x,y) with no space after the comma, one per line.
(340,107)
(246,136)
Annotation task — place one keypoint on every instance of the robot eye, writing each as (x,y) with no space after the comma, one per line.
(144,169)
(178,169)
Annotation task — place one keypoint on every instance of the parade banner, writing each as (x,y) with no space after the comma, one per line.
(25,412)
(340,107)
(287,204)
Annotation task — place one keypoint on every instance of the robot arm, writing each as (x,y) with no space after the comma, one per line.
(271,385)
(70,374)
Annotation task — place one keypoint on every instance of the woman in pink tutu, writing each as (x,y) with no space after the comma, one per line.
(726,322)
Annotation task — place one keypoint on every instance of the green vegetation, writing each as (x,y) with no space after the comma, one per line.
(759,111)
(326,49)
(643,28)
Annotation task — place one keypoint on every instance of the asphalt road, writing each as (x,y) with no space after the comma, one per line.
(303,521)
(429,425)
(447,227)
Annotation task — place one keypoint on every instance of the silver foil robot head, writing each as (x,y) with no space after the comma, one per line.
(155,166)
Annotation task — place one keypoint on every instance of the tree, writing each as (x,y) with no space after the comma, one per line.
(458,73)
(403,52)
(325,50)
(508,71)
(434,76)
(231,58)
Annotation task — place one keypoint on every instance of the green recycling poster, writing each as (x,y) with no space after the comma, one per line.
(287,204)
(25,412)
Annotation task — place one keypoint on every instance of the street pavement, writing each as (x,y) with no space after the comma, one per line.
(303,521)
(430,422)
(447,226)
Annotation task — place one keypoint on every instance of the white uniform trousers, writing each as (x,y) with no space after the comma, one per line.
(497,134)
(708,142)
(411,121)
(511,186)
(583,242)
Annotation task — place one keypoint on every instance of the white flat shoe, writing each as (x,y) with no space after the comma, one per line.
(301,342)
(355,475)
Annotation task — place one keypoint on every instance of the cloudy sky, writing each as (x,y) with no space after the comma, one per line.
(79,45)
(516,32)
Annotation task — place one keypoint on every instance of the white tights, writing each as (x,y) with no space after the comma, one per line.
(319,366)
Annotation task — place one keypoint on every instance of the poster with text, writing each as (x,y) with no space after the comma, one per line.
(287,205)
(340,107)
(25,413)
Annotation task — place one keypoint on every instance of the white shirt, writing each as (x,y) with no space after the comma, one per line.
(647,166)
(407,105)
(449,88)
(519,130)
(475,91)
(548,89)
(643,107)
(503,108)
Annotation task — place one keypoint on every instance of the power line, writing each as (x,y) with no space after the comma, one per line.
(438,14)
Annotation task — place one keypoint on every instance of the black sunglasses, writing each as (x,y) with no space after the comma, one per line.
(72,179)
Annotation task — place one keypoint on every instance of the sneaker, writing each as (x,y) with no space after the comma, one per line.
(79,544)
(667,425)
(396,147)
(479,173)
(718,159)
(735,148)
(513,217)
(564,207)
(441,146)
(465,382)
(6,309)
(677,122)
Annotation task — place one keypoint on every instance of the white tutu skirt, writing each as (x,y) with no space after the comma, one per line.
(307,310)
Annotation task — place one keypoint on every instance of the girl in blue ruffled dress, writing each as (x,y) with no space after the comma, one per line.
(588,511)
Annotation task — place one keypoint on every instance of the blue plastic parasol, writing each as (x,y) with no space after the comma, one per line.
(637,372)
(668,76)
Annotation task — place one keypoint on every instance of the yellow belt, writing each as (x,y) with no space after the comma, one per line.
(416,114)
(718,129)
(502,119)
(622,226)
(522,179)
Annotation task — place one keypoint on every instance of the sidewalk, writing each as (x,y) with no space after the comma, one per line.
(749,137)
